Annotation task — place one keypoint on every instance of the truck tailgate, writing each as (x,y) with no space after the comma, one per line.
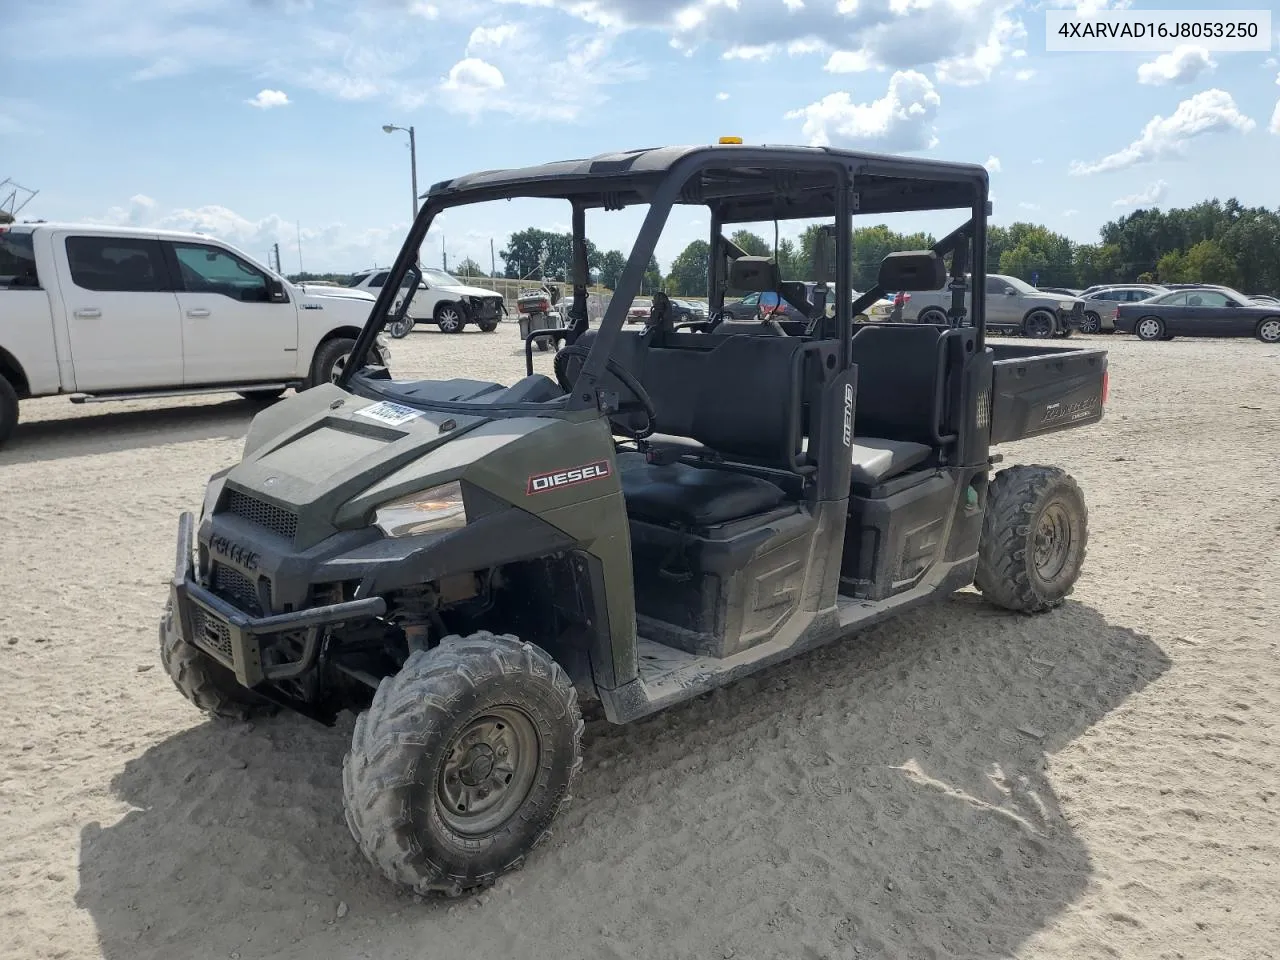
(1039,389)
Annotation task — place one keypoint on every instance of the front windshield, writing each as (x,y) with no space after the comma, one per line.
(438,278)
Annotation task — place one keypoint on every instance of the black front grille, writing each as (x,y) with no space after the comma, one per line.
(237,589)
(266,515)
(211,633)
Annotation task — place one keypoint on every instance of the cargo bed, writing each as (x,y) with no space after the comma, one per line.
(1041,389)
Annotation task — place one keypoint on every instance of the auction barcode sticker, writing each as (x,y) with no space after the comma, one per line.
(1142,31)
(392,414)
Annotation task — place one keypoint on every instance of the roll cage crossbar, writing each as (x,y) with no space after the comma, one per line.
(739,184)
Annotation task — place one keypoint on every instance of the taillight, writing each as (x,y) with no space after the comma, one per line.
(1106,386)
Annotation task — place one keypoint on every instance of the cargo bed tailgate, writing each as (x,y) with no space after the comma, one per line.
(1040,389)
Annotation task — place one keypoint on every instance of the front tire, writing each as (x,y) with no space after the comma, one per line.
(210,686)
(1092,323)
(1268,332)
(461,763)
(1040,324)
(1149,329)
(450,318)
(8,410)
(331,359)
(1034,534)
(487,326)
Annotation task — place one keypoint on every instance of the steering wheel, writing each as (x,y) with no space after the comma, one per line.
(643,403)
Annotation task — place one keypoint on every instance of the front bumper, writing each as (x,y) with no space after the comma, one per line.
(235,638)
(486,308)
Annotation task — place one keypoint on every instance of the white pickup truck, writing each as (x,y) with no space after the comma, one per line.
(114,313)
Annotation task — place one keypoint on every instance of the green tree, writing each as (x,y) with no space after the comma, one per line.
(611,267)
(469,268)
(1172,267)
(688,277)
(1207,262)
(543,255)
(1097,263)
(792,264)
(652,280)
(751,244)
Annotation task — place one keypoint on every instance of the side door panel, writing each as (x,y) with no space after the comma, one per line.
(232,331)
(123,321)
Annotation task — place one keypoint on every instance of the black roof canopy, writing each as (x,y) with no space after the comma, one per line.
(745,183)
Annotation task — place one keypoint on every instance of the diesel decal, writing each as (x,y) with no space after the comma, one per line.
(848,415)
(237,554)
(1077,410)
(542,482)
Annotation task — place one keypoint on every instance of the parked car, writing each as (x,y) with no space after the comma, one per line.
(683,311)
(1060,291)
(1264,299)
(443,299)
(1199,312)
(116,313)
(1100,306)
(1012,306)
(639,310)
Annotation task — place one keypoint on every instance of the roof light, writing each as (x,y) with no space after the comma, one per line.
(730,139)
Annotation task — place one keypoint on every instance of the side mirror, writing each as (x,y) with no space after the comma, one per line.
(275,291)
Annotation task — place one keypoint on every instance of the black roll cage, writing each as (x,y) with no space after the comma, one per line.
(771,183)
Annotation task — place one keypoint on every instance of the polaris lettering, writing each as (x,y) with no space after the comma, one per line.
(542,482)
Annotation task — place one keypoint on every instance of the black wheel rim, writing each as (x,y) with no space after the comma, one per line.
(1040,325)
(1051,549)
(1091,323)
(488,771)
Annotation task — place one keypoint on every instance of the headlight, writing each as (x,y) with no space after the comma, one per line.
(1065,305)
(427,511)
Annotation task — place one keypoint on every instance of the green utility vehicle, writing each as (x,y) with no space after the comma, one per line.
(460,563)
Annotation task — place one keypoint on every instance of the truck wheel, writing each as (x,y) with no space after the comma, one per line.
(331,358)
(450,317)
(1034,533)
(206,683)
(1268,332)
(1149,328)
(8,410)
(1040,324)
(461,762)
(932,315)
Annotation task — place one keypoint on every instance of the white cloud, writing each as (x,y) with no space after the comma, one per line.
(1029,206)
(1149,196)
(722,95)
(1274,127)
(490,38)
(849,61)
(1022,76)
(1069,213)
(1087,8)
(471,85)
(427,11)
(969,69)
(1211,111)
(992,164)
(1183,64)
(900,120)
(759,52)
(164,67)
(266,99)
(1037,161)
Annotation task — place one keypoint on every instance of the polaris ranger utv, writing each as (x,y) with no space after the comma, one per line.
(460,562)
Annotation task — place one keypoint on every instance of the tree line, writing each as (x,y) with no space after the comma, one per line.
(1210,242)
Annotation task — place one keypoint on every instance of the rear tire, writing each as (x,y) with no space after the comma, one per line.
(8,410)
(932,315)
(1092,323)
(209,685)
(1268,332)
(461,763)
(1149,329)
(1034,535)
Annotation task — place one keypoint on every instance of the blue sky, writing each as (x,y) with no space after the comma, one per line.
(244,117)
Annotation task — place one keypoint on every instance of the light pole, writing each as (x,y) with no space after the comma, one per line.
(413,161)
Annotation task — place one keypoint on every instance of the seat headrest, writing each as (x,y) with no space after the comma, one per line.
(754,274)
(912,271)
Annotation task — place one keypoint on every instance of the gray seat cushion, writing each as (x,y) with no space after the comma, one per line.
(876,460)
(691,497)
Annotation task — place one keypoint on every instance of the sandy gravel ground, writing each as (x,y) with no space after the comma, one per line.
(1098,782)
